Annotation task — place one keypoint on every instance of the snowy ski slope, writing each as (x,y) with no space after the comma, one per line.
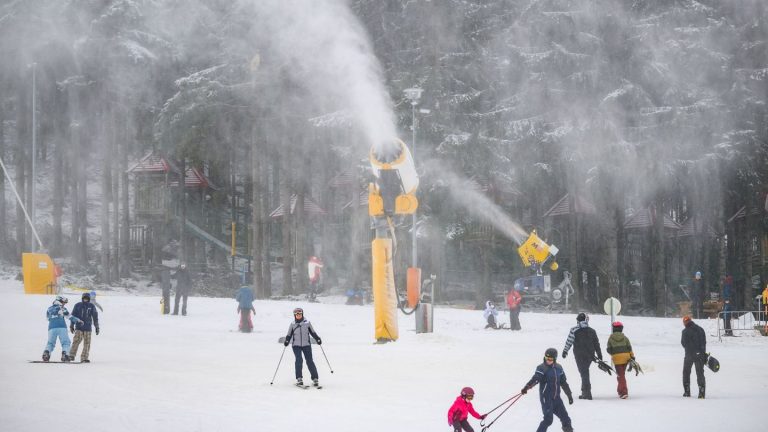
(196,373)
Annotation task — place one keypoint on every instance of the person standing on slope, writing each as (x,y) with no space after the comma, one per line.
(620,349)
(183,286)
(461,409)
(695,343)
(586,347)
(299,331)
(513,301)
(57,315)
(244,299)
(551,377)
(86,312)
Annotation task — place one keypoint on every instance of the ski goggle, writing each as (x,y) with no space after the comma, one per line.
(298,313)
(549,358)
(469,397)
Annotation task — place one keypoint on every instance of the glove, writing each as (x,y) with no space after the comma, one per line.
(286,342)
(97,330)
(565,354)
(319,342)
(524,390)
(71,328)
(482,417)
(570,399)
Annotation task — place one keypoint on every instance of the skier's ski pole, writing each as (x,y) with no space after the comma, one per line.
(278,365)
(511,401)
(326,358)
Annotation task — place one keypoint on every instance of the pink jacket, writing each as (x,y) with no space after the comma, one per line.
(460,410)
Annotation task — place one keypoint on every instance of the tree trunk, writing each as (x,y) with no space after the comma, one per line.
(114,179)
(266,230)
(182,194)
(257,190)
(59,153)
(82,200)
(106,190)
(619,217)
(302,278)
(4,252)
(20,162)
(285,200)
(125,267)
(573,250)
(748,233)
(658,253)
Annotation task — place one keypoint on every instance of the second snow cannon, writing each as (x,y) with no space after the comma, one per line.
(392,194)
(535,252)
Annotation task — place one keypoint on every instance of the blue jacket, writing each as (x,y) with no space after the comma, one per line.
(57,315)
(550,379)
(86,312)
(244,297)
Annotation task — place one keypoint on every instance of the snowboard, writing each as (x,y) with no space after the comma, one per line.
(51,361)
(282,340)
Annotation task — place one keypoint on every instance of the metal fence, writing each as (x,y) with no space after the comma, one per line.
(741,321)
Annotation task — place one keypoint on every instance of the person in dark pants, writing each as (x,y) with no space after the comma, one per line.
(183,286)
(513,301)
(86,312)
(586,347)
(695,343)
(551,377)
(299,331)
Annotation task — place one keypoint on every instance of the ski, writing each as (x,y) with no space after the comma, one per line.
(301,386)
(51,361)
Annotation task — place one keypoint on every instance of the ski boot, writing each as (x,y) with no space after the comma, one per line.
(315,383)
(686,391)
(701,392)
(46,355)
(567,428)
(586,395)
(65,358)
(85,361)
(300,382)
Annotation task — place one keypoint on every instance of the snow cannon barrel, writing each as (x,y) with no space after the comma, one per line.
(396,182)
(535,252)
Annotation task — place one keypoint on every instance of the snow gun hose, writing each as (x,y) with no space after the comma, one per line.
(511,401)
(278,365)
(326,358)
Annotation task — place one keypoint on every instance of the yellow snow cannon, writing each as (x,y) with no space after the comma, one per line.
(535,252)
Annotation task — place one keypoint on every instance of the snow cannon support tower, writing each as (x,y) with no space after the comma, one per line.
(392,194)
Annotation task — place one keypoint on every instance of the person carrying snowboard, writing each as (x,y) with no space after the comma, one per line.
(586,347)
(695,343)
(299,331)
(620,349)
(513,301)
(490,313)
(57,315)
(458,413)
(551,377)
(244,299)
(86,312)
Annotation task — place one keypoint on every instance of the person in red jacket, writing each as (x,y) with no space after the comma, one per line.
(460,410)
(513,301)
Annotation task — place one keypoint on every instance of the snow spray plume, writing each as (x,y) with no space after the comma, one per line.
(478,205)
(327,50)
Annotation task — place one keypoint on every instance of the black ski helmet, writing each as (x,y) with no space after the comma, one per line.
(550,353)
(581,317)
(467,391)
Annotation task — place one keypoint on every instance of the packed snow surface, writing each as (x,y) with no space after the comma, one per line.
(151,372)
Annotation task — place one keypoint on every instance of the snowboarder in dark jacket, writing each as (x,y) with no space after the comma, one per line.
(86,312)
(183,286)
(551,377)
(695,343)
(586,347)
(299,331)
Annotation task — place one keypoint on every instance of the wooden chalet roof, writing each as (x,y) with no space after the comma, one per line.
(563,206)
(153,163)
(695,226)
(344,178)
(742,212)
(311,208)
(642,219)
(195,179)
(362,200)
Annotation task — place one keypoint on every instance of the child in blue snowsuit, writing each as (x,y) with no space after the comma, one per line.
(57,315)
(550,377)
(244,299)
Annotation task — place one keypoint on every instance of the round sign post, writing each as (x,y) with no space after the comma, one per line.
(612,307)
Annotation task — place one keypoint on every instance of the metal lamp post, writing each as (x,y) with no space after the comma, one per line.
(34,143)
(413,94)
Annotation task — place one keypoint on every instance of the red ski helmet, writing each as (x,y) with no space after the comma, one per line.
(467,391)
(617,326)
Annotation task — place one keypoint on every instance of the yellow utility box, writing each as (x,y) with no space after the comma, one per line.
(39,273)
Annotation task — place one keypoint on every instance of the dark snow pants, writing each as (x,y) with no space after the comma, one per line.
(687,363)
(181,294)
(299,365)
(583,363)
(557,408)
(514,318)
(458,425)
(491,322)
